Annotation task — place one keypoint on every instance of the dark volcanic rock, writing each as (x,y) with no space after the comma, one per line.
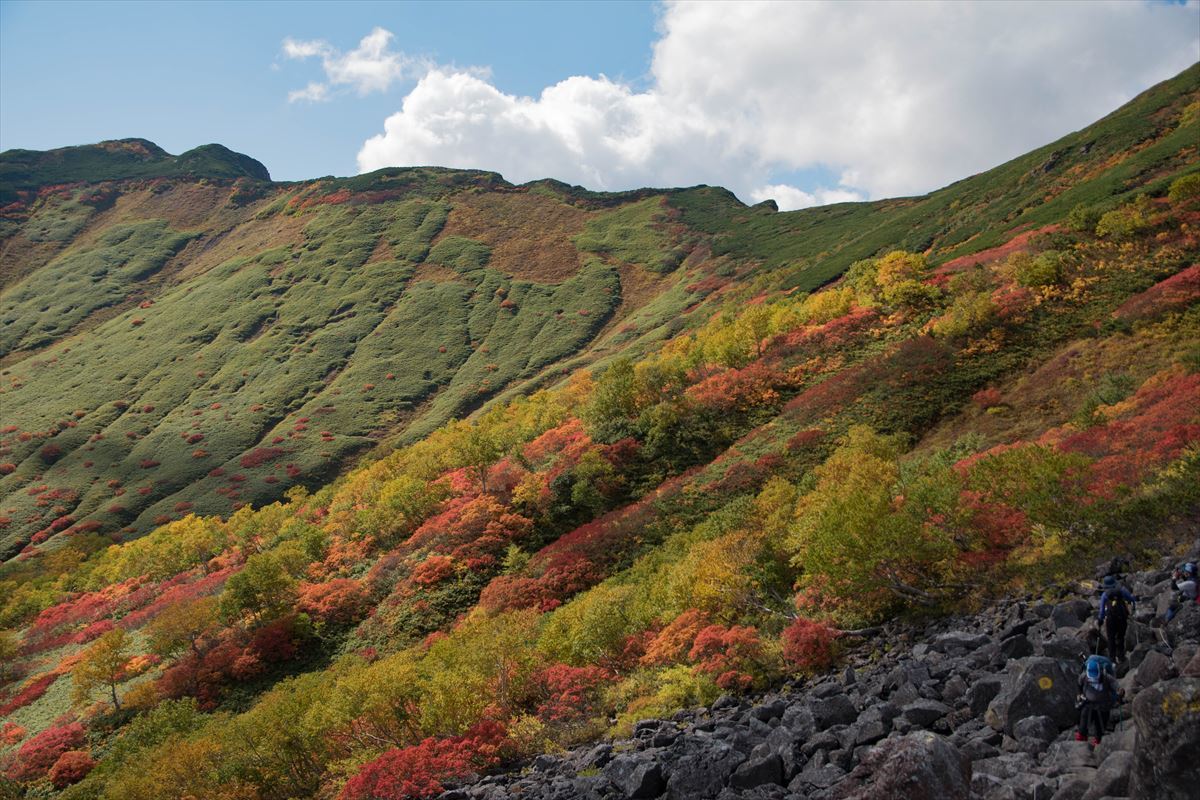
(704,772)
(762,766)
(1040,729)
(982,692)
(834,710)
(1155,667)
(1112,778)
(945,711)
(958,643)
(1168,740)
(920,766)
(1039,687)
(923,713)
(637,776)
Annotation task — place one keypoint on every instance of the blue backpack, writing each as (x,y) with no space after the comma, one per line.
(1100,665)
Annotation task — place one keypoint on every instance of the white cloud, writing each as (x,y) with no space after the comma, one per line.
(370,67)
(314,93)
(789,198)
(894,98)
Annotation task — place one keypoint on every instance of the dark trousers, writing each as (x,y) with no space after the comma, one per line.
(1093,716)
(1114,630)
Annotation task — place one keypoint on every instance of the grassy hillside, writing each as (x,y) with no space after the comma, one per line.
(705,439)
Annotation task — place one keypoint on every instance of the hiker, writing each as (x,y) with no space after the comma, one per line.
(1116,605)
(1184,581)
(1098,692)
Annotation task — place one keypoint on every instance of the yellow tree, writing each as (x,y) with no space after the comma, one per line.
(181,626)
(857,536)
(102,667)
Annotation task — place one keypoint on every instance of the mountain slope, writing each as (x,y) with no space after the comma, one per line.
(204,339)
(684,474)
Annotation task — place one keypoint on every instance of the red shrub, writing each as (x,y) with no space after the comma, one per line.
(740,389)
(259,456)
(418,771)
(11,733)
(808,645)
(148,463)
(570,693)
(71,767)
(672,643)
(30,692)
(986,398)
(7,468)
(338,601)
(729,655)
(39,754)
(433,570)
(93,631)
(805,438)
(275,641)
(1175,292)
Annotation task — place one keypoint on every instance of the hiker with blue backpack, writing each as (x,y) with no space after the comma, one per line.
(1116,606)
(1098,693)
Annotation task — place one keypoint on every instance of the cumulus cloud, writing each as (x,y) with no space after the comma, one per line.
(789,198)
(892,98)
(370,67)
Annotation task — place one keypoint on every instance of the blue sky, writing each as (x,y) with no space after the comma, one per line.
(183,74)
(805,103)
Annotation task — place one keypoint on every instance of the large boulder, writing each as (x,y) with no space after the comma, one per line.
(834,710)
(1112,778)
(923,713)
(1155,667)
(704,772)
(1167,716)
(958,643)
(761,767)
(982,692)
(920,766)
(1039,687)
(636,775)
(1071,613)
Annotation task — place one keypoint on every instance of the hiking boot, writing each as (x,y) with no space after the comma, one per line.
(1079,737)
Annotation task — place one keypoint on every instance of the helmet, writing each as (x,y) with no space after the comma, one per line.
(1093,670)
(1110,582)
(1190,568)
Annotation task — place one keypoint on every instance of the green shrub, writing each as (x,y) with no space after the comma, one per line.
(1184,188)
(1045,269)
(1126,221)
(1083,218)
(1111,388)
(464,254)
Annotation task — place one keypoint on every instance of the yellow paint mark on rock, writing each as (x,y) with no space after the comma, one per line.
(1046,682)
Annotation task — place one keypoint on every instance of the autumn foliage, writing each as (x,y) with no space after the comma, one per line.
(419,771)
(35,758)
(808,645)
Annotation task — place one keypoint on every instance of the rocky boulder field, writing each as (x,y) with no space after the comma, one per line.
(979,706)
